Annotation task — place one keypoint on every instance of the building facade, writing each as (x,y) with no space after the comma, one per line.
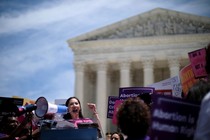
(136,52)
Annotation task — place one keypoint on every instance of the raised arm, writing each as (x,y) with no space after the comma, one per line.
(92,107)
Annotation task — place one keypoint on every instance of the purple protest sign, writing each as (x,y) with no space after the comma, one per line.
(110,108)
(173,118)
(131,92)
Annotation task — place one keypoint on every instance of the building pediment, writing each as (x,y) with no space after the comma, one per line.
(156,22)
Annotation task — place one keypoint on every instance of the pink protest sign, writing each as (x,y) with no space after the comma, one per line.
(198,62)
(116,107)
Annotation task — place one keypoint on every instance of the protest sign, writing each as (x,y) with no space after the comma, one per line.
(167,92)
(110,108)
(116,107)
(187,78)
(173,118)
(198,62)
(131,92)
(172,83)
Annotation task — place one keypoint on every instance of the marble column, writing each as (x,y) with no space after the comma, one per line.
(174,66)
(79,82)
(148,69)
(124,73)
(101,93)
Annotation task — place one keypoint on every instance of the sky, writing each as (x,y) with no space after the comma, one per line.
(35,59)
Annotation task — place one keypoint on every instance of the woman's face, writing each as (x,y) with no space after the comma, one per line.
(74,106)
(12,123)
(115,137)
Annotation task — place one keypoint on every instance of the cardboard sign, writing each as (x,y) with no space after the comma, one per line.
(187,78)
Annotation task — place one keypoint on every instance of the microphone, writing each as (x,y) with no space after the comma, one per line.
(27,108)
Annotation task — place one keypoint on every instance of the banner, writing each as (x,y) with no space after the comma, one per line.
(173,118)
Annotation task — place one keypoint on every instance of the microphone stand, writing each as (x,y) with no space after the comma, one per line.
(31,136)
(30,115)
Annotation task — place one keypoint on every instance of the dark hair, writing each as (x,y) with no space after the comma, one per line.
(133,115)
(146,97)
(68,115)
(119,134)
(198,91)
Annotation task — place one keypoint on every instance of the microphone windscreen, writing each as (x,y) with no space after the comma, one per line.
(27,108)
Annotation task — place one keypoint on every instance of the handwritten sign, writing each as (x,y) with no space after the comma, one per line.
(198,62)
(172,83)
(187,78)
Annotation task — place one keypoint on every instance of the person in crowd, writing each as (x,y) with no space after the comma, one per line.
(133,119)
(117,136)
(11,128)
(197,92)
(108,135)
(202,131)
(8,125)
(75,113)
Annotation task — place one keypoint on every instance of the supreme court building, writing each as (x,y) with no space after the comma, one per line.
(137,51)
